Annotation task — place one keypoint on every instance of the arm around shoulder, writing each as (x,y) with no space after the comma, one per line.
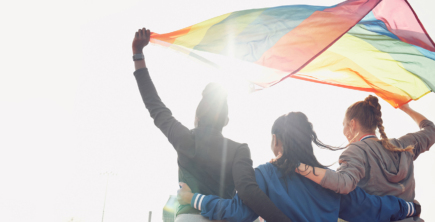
(248,189)
(360,206)
(346,178)
(216,208)
(351,171)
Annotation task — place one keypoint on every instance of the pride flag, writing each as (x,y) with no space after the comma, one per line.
(377,46)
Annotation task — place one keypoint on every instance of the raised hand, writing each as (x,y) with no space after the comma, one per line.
(405,107)
(416,116)
(141,39)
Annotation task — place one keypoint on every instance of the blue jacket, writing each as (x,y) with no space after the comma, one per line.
(303,200)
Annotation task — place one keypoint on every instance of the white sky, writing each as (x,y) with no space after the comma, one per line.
(70,108)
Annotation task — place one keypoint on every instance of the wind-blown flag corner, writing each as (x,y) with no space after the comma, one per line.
(377,46)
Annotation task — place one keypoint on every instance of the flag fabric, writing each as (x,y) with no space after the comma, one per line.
(378,46)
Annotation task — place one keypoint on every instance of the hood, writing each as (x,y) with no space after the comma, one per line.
(394,165)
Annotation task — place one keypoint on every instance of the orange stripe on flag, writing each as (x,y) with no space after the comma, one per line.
(169,37)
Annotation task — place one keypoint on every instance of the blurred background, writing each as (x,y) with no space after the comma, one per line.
(75,136)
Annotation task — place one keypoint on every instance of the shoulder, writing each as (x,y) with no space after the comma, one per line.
(356,147)
(396,142)
(356,150)
(241,150)
(240,147)
(266,168)
(237,144)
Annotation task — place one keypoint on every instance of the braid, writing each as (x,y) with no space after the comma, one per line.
(376,108)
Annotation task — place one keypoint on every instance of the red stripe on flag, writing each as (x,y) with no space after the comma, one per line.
(314,35)
(401,20)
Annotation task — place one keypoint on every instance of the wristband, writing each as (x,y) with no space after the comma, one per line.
(197,201)
(137,57)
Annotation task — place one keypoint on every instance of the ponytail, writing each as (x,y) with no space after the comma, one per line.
(373,102)
(369,115)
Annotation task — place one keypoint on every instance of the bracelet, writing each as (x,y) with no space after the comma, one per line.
(137,57)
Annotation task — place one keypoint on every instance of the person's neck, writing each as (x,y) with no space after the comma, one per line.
(210,129)
(365,134)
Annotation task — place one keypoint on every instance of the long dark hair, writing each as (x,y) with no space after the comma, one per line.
(297,135)
(368,114)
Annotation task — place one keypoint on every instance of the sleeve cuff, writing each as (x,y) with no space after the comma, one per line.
(412,211)
(197,201)
(142,71)
(425,123)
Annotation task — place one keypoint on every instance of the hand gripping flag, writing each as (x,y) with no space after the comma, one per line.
(377,46)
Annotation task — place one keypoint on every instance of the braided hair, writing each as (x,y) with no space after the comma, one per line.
(368,114)
(297,135)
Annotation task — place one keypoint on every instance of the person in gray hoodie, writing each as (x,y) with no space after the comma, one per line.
(379,166)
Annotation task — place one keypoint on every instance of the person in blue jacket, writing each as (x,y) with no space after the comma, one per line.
(298,197)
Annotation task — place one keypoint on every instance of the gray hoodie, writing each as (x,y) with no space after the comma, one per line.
(378,171)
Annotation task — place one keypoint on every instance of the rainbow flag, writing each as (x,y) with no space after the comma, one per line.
(377,46)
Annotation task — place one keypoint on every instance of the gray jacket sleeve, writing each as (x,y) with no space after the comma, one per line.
(178,135)
(352,169)
(421,140)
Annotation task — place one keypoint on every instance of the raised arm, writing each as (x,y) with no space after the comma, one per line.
(423,139)
(417,117)
(177,134)
(346,178)
(249,191)
(141,39)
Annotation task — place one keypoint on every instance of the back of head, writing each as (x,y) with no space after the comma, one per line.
(212,110)
(369,116)
(297,135)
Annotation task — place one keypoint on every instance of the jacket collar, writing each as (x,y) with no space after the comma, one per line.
(208,130)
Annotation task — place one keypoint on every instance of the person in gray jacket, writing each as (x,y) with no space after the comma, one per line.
(379,166)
